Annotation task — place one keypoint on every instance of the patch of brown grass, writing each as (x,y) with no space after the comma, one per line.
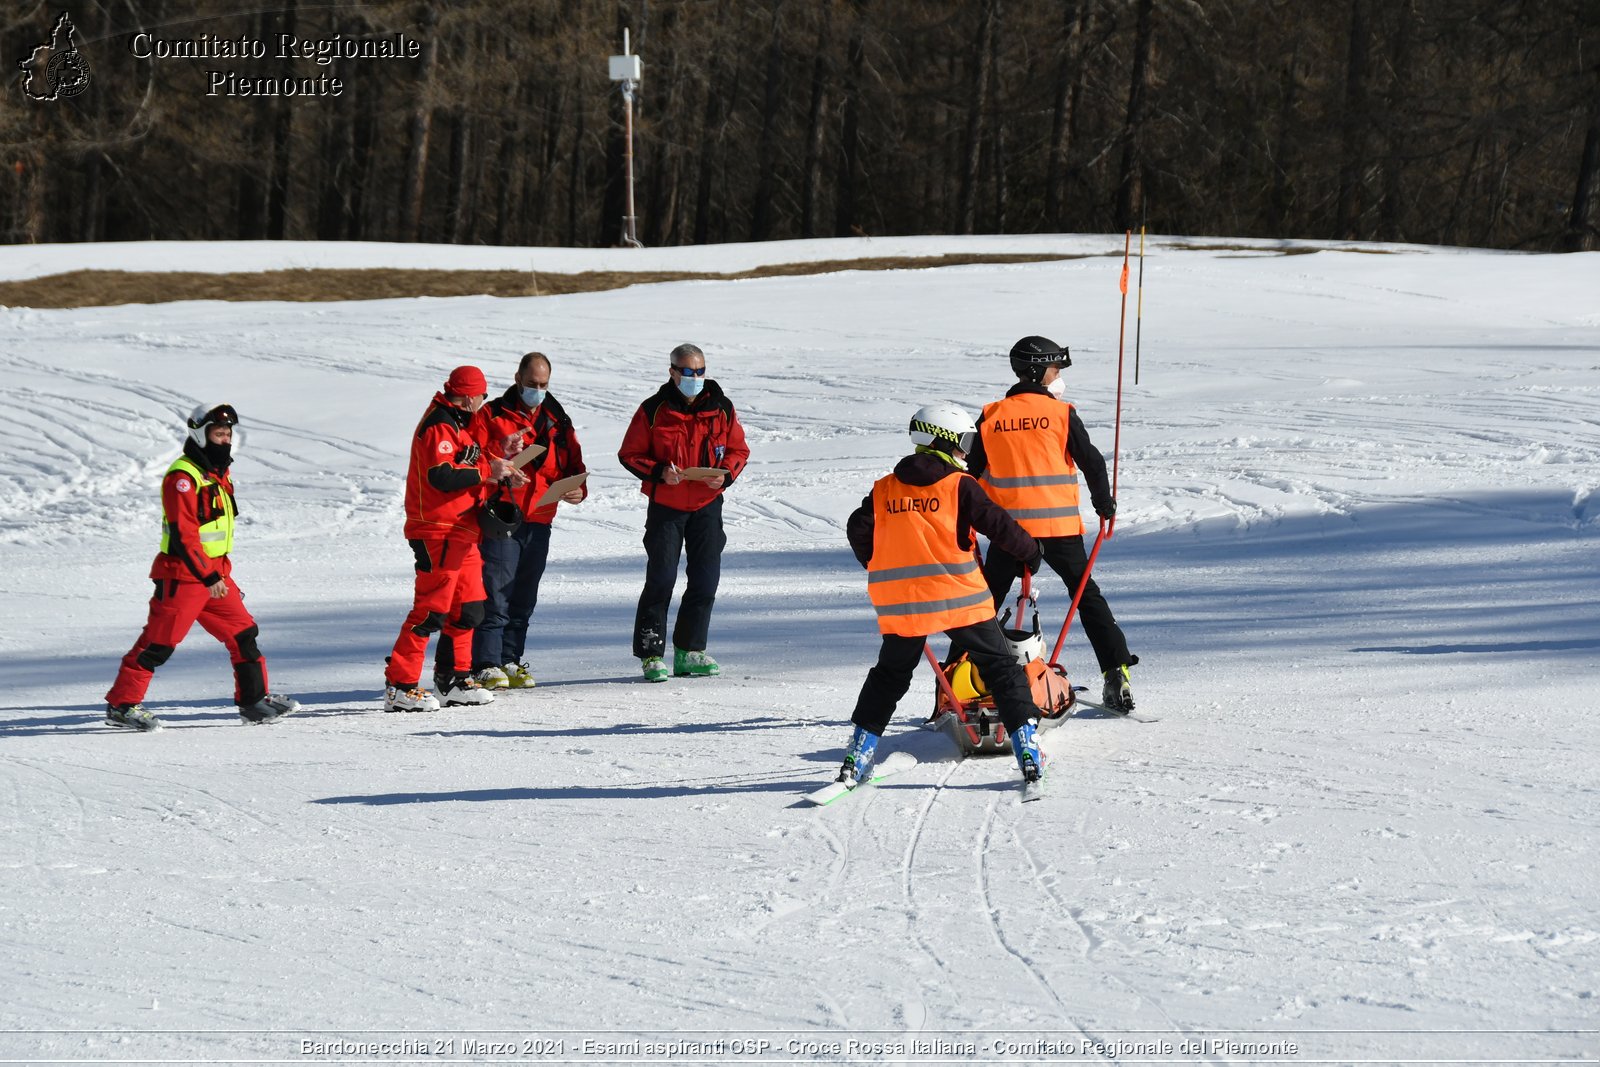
(105,288)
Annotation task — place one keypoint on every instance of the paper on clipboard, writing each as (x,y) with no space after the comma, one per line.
(703,474)
(559,489)
(527,456)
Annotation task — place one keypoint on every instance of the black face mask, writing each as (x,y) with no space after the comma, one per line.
(219,456)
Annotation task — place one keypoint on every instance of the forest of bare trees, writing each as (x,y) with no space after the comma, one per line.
(1472,122)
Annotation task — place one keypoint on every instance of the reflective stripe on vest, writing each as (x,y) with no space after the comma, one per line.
(216,536)
(1028,471)
(919,580)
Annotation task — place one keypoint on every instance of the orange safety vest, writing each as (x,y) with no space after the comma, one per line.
(1029,472)
(919,579)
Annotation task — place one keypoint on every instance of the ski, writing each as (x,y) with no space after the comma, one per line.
(893,763)
(1109,713)
(1032,790)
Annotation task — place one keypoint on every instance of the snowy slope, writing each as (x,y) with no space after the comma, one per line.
(1357,554)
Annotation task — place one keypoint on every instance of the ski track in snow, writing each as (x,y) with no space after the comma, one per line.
(1355,551)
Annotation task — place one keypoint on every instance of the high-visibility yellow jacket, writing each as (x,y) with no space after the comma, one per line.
(214,512)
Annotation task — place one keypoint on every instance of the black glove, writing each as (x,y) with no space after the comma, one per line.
(1037,561)
(1106,509)
(469,455)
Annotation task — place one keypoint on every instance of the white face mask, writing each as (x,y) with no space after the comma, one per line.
(1058,388)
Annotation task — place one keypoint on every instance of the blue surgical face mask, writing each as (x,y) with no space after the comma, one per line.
(533,397)
(688,386)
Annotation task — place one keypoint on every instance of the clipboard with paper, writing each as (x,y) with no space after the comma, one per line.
(561,488)
(527,456)
(703,474)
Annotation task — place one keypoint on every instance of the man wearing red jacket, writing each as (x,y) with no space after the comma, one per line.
(688,427)
(444,487)
(527,415)
(193,572)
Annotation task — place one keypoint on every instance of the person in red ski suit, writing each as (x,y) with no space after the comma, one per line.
(527,415)
(193,575)
(445,485)
(688,423)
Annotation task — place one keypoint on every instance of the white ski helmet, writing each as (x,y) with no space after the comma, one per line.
(943,426)
(207,415)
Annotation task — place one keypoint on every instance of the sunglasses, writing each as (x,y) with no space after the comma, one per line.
(690,371)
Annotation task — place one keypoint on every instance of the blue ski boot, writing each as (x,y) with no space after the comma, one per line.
(1025,744)
(858,758)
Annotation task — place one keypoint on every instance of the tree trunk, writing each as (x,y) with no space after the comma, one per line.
(710,135)
(94,197)
(35,215)
(421,125)
(1398,132)
(1583,230)
(982,58)
(997,175)
(361,134)
(282,134)
(844,218)
(816,125)
(575,171)
(761,211)
(1283,156)
(1347,221)
(455,211)
(1130,190)
(1068,79)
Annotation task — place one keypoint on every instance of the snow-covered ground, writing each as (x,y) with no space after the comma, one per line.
(1357,556)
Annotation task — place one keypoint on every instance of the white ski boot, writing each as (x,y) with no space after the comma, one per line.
(409,698)
(461,690)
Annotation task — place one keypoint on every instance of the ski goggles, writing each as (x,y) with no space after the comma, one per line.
(221,415)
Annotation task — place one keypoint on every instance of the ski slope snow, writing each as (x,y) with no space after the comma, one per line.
(1356,554)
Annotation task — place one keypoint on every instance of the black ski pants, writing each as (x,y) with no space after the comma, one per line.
(890,677)
(668,532)
(1066,556)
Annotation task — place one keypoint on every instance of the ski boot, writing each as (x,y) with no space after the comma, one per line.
(518,675)
(1025,744)
(492,678)
(460,690)
(858,758)
(133,716)
(693,665)
(1118,693)
(268,708)
(408,698)
(655,669)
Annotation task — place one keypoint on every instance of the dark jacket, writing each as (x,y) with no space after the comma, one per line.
(974,511)
(1091,464)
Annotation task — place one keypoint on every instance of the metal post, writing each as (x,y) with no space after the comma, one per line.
(630,221)
(626,70)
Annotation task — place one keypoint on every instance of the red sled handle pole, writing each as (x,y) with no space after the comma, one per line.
(1106,529)
(938,674)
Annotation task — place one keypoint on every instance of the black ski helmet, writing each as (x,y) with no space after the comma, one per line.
(499,517)
(207,415)
(1032,356)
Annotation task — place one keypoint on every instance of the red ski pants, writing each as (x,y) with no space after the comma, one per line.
(449,602)
(176,606)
